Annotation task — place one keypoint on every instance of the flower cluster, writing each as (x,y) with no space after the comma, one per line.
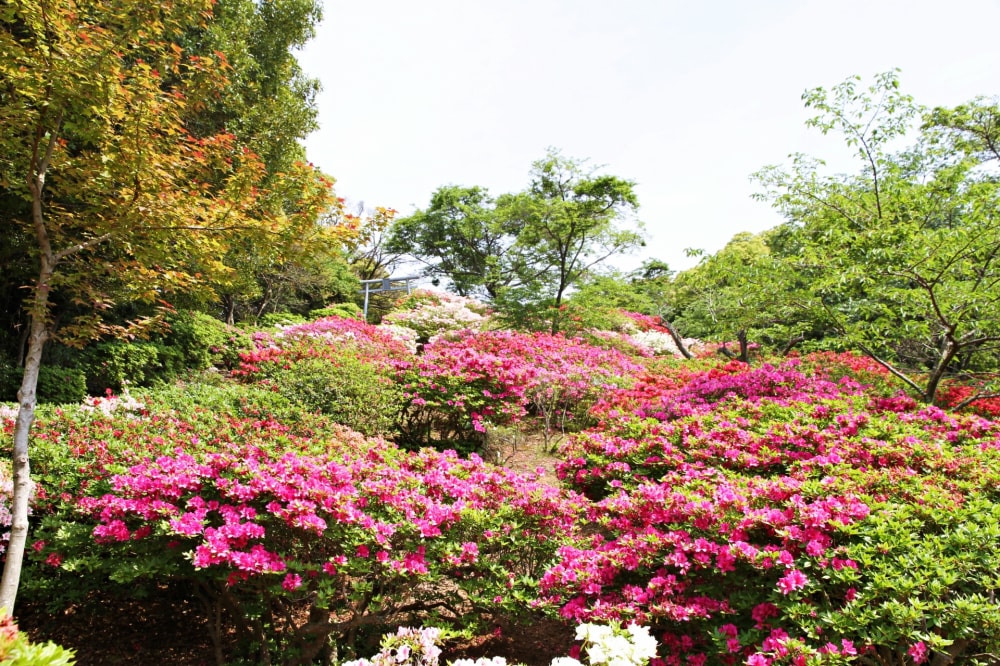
(111,404)
(612,645)
(604,644)
(493,376)
(658,342)
(735,506)
(431,313)
(15,647)
(407,647)
(403,334)
(953,394)
(316,339)
(763,515)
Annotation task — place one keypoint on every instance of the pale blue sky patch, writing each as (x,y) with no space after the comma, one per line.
(687,99)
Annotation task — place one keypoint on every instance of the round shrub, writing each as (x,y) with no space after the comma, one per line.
(115,363)
(344,310)
(61,386)
(340,367)
(346,388)
(194,341)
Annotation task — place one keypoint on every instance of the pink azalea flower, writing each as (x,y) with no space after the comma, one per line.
(291,582)
(919,652)
(793,580)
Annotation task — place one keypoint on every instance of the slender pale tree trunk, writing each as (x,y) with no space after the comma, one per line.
(44,145)
(26,398)
(22,468)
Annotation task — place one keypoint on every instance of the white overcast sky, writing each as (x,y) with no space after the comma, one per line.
(687,99)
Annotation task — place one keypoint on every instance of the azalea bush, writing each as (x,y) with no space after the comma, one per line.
(603,644)
(340,367)
(346,534)
(431,313)
(371,341)
(458,387)
(647,332)
(777,514)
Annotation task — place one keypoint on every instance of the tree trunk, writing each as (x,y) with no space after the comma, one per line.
(229,307)
(741,336)
(948,352)
(21,467)
(39,315)
(678,340)
(556,313)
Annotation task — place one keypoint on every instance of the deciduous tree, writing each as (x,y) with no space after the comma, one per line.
(122,200)
(574,219)
(524,251)
(903,254)
(467,238)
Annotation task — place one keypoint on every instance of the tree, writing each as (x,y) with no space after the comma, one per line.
(742,292)
(467,238)
(524,251)
(574,219)
(123,201)
(903,255)
(267,101)
(269,104)
(370,256)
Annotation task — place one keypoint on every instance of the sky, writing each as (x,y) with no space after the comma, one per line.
(685,99)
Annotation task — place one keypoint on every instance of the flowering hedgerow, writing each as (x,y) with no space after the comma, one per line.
(368,339)
(363,535)
(459,386)
(331,339)
(747,518)
(683,389)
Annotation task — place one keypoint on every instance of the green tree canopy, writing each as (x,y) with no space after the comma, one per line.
(900,257)
(524,251)
(107,188)
(466,238)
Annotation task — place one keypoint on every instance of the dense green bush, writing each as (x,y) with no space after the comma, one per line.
(113,364)
(349,390)
(56,384)
(194,341)
(345,310)
(215,395)
(61,385)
